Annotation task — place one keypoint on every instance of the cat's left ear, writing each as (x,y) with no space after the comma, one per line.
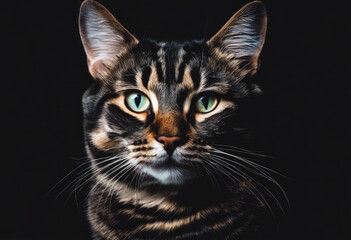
(241,39)
(103,37)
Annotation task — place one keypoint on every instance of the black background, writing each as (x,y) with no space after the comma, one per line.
(300,120)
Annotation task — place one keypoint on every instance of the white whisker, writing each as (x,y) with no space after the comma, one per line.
(236,171)
(240,150)
(232,165)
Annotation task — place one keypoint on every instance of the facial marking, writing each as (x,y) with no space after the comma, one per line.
(100,140)
(153,78)
(187,79)
(187,103)
(154,101)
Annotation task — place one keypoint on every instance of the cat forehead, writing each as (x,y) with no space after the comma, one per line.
(155,65)
(171,56)
(173,49)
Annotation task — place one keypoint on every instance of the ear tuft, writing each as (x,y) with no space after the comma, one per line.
(242,37)
(104,38)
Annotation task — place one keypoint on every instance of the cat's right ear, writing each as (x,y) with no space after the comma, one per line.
(241,39)
(103,37)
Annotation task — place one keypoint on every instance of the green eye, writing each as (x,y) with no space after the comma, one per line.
(206,103)
(137,102)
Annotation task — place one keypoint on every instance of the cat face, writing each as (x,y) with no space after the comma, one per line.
(157,107)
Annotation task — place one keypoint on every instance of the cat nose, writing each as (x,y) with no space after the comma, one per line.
(169,143)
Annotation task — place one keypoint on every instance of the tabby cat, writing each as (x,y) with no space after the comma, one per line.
(153,122)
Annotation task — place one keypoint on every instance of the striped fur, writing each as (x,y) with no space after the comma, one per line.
(141,190)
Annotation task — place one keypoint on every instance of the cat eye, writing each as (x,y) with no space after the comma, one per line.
(137,102)
(206,103)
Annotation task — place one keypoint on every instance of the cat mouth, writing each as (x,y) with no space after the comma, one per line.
(168,171)
(167,163)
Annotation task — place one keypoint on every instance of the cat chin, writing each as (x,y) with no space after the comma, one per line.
(168,176)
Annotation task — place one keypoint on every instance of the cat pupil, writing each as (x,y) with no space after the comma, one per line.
(205,102)
(137,100)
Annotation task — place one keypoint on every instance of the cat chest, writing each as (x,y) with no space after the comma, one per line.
(162,219)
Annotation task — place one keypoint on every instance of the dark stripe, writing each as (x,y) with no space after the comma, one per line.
(159,71)
(126,123)
(129,76)
(93,106)
(146,76)
(212,79)
(170,69)
(150,118)
(112,135)
(181,72)
(196,77)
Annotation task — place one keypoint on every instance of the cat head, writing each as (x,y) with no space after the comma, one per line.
(157,107)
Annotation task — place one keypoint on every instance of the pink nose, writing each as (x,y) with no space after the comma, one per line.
(169,143)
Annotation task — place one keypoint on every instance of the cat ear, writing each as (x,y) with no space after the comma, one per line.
(103,37)
(242,37)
